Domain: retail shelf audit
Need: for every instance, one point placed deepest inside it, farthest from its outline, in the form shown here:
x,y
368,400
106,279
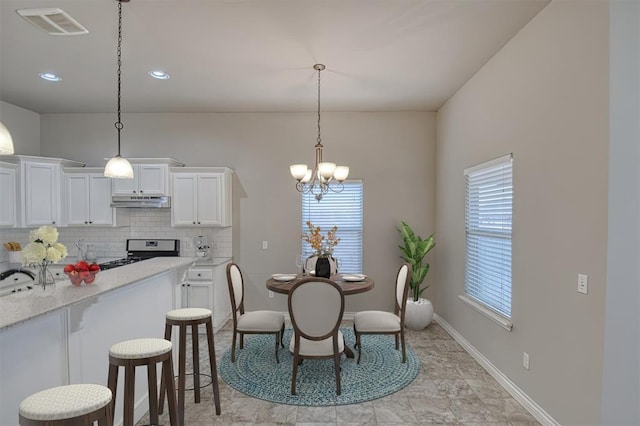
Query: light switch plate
x,y
583,284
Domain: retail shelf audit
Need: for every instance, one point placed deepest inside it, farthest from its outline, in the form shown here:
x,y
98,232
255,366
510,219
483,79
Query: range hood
x,y
141,201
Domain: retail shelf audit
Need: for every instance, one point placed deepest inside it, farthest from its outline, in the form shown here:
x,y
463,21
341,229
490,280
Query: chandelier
x,y
324,177
118,166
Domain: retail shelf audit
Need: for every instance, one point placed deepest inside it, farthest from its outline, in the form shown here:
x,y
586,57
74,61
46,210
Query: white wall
x,y
392,152
24,126
543,97
621,370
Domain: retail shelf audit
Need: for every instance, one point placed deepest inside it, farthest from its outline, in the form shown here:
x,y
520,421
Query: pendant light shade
x,y
6,142
119,167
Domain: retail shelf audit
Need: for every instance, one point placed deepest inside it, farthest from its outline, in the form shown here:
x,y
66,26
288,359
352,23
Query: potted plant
x,y
419,311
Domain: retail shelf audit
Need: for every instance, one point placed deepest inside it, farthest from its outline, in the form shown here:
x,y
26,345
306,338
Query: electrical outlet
x,y
583,284
265,245
270,294
525,360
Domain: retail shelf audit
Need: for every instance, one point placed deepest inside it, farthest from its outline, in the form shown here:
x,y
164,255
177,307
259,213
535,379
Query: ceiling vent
x,y
53,21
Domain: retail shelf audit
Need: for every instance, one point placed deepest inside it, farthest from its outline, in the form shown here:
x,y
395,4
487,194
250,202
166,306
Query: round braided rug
x,y
257,374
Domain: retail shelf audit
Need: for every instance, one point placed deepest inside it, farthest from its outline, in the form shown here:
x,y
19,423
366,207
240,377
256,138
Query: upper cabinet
x,y
39,190
201,196
87,197
8,210
150,177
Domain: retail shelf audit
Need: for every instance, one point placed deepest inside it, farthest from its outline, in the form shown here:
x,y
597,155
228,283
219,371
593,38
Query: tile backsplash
x,y
110,242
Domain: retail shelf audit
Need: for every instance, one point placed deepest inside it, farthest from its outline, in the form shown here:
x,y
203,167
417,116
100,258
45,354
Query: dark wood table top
x,y
348,287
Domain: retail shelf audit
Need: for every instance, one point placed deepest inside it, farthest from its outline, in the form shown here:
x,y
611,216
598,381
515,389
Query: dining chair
x,y
254,322
382,322
316,306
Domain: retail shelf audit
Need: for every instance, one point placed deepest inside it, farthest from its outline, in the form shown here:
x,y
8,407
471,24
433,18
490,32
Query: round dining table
x,y
348,288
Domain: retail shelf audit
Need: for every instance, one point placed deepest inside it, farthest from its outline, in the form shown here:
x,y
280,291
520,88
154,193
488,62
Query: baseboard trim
x,y
529,404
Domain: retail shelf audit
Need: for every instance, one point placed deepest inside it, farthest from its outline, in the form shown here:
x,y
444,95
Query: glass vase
x,y
44,283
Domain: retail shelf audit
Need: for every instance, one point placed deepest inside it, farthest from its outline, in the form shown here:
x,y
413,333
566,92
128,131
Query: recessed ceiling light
x,y
49,76
160,75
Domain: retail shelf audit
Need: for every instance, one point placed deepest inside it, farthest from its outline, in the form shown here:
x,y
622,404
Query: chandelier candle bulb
x,y
341,173
298,171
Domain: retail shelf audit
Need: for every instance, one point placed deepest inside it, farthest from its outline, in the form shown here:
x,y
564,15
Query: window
x,y
344,210
488,217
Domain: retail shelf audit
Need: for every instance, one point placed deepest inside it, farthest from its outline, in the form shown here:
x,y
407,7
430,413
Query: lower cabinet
x,y
206,287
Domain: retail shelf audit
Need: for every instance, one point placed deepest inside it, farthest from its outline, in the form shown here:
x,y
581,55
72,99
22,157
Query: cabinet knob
x,y
134,191
54,222
85,222
198,222
194,222
141,191
90,221
199,275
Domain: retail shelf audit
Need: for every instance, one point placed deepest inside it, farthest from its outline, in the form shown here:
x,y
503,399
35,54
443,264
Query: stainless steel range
x,y
139,249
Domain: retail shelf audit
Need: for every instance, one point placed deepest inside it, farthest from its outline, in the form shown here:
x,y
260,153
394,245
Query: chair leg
x,y
112,384
152,381
129,389
282,336
167,336
359,345
397,347
336,357
233,347
296,360
195,359
214,368
356,333
404,350
167,373
277,344
241,340
182,373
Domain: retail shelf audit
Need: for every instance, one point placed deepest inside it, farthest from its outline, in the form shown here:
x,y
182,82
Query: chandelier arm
x,y
337,188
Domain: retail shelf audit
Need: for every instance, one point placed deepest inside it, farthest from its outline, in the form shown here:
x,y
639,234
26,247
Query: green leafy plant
x,y
413,252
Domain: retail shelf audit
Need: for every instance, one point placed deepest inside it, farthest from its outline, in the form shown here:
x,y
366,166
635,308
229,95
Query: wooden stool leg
x,y
167,372
182,361
167,336
195,357
152,380
112,384
107,419
214,368
129,391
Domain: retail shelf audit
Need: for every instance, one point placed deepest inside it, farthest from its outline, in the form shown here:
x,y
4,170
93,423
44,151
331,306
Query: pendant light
x,y
319,180
6,142
118,166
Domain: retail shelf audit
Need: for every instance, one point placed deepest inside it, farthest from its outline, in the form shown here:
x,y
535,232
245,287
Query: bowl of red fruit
x,y
82,271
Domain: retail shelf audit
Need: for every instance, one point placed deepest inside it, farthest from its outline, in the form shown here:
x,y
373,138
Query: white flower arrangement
x,y
43,247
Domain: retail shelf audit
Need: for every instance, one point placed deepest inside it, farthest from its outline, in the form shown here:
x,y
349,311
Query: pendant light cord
x,y
119,124
319,140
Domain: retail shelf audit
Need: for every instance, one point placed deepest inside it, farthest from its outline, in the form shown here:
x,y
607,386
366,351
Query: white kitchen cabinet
x,y
8,212
87,199
197,290
206,287
201,197
150,177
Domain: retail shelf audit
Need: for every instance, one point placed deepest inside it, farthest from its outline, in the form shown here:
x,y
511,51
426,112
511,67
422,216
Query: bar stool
x,y
131,354
71,404
184,318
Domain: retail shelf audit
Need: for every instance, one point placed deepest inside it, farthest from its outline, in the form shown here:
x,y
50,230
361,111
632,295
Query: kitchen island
x,y
65,338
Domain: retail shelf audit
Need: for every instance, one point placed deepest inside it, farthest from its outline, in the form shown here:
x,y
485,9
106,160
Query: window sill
x,y
493,316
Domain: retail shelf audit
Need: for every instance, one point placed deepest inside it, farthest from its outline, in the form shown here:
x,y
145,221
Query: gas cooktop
x,y
141,249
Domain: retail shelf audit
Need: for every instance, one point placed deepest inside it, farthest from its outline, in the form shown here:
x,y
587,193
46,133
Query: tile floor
x,y
451,389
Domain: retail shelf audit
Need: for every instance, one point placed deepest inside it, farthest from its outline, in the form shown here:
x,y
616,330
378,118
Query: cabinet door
x,y
151,179
126,186
209,199
42,191
183,205
77,199
100,211
200,294
8,191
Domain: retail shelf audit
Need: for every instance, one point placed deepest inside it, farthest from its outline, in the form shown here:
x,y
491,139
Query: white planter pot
x,y
418,314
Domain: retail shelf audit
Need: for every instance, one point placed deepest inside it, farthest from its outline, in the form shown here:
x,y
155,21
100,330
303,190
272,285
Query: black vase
x,y
323,267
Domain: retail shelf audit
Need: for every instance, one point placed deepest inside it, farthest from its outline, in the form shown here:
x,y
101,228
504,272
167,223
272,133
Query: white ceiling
x,y
255,55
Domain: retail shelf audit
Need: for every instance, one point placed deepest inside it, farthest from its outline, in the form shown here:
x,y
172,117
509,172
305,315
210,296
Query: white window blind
x,y
344,210
488,216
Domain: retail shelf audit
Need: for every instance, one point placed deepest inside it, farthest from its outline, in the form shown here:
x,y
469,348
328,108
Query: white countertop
x,y
16,308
